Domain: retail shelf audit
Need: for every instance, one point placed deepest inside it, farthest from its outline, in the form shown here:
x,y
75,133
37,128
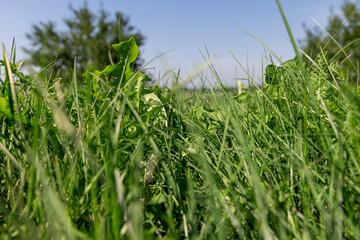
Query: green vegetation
x,y
87,36
339,38
109,157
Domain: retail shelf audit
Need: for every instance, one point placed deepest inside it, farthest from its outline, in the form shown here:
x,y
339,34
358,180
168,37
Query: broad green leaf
x,y
273,74
157,199
116,71
90,72
270,73
155,102
127,49
113,70
5,110
5,107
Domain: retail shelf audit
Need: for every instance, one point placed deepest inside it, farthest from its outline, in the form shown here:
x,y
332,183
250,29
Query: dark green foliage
x,y
88,37
340,39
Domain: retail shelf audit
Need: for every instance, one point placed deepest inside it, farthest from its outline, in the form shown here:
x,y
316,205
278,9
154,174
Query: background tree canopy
x,y
88,37
340,41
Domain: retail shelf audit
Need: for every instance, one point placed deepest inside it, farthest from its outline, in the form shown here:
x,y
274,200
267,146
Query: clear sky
x,y
186,27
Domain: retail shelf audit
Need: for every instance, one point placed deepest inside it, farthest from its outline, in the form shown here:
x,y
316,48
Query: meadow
x,y
109,156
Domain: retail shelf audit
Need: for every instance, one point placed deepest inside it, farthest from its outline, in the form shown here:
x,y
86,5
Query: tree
x,y
343,44
88,37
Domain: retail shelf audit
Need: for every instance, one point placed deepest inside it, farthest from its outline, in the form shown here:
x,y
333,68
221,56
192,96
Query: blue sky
x,y
186,27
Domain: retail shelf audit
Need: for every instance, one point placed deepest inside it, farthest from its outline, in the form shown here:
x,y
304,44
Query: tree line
x,y
88,37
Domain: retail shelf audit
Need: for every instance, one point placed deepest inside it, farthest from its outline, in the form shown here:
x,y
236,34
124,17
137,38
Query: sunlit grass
x,y
110,157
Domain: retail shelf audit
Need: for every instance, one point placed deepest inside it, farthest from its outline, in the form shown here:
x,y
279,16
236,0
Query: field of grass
x,y
107,156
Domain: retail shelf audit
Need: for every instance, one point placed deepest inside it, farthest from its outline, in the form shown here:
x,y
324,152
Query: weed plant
x,y
111,157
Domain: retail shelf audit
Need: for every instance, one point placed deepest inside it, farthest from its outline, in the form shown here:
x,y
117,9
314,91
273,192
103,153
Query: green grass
x,y
107,156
